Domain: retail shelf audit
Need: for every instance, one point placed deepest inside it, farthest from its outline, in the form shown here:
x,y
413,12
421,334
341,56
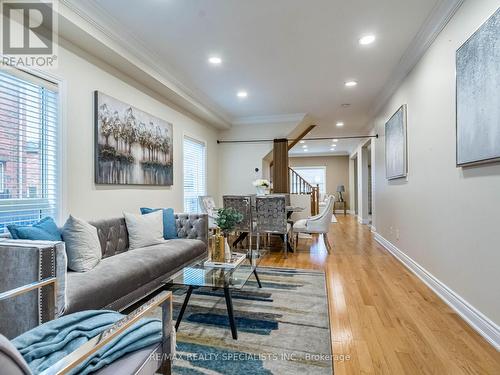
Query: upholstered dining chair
x,y
319,224
207,206
286,195
242,204
152,359
271,218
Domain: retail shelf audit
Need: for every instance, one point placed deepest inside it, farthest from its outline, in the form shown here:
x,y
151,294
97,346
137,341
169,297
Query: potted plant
x,y
227,219
262,185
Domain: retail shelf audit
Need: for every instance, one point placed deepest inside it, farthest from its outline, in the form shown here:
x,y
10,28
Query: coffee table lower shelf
x,y
229,305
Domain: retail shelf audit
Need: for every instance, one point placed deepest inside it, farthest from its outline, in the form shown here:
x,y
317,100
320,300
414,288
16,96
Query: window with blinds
x,y
29,185
195,162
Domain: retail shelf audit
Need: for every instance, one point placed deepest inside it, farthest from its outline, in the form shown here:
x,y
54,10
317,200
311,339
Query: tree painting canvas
x,y
132,147
478,95
396,164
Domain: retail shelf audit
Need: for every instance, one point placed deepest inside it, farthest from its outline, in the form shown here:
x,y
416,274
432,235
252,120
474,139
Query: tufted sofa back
x,y
113,234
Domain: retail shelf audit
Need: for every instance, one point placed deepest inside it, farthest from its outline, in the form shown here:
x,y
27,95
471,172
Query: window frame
x,y
194,138
2,176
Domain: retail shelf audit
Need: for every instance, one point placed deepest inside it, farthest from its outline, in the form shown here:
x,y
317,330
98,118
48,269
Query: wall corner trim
x,y
477,320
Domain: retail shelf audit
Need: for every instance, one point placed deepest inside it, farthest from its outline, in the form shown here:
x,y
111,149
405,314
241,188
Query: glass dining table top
x,y
200,275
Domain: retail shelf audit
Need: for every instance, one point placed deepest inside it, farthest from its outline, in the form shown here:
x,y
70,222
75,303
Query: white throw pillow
x,y
82,244
144,230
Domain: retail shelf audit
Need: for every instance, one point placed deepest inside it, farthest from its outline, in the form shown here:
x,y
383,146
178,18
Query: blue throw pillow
x,y
169,228
45,230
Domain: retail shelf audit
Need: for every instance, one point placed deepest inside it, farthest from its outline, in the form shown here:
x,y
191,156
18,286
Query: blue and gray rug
x,y
283,328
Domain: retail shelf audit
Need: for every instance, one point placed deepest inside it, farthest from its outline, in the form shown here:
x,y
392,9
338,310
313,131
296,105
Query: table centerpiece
x,y
262,185
227,219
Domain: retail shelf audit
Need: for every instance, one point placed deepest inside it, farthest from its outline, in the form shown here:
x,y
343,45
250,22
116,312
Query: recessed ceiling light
x,y
340,124
215,60
305,150
332,149
335,140
302,142
350,83
304,146
367,39
242,94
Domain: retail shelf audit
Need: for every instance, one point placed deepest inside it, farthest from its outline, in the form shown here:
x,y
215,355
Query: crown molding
x,y
99,22
439,17
271,119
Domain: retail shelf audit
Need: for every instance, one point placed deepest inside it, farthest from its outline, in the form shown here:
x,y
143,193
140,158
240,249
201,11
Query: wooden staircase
x,y
300,186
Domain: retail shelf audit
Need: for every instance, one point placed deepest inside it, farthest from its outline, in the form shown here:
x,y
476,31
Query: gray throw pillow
x,y
82,245
144,230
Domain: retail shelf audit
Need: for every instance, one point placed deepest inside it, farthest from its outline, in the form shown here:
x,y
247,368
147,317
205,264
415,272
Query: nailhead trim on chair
x,y
46,269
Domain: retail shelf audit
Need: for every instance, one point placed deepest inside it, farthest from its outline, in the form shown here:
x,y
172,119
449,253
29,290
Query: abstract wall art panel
x,y
478,95
132,147
396,163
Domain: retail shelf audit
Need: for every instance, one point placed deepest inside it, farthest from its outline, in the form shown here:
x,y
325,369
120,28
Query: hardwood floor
x,y
383,319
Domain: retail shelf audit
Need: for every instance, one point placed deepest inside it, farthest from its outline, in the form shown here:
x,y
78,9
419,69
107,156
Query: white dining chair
x,y
207,206
319,224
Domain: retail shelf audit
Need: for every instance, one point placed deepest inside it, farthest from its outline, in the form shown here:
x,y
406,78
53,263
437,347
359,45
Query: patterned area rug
x,y
283,328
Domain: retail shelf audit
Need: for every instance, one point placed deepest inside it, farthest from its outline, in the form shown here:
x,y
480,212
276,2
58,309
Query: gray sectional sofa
x,y
120,279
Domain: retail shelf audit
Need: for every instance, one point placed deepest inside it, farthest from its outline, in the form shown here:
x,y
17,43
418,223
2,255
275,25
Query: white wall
x,y
443,217
239,160
81,74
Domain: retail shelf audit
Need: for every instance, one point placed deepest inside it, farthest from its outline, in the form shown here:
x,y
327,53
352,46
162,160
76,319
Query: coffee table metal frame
x,y
197,275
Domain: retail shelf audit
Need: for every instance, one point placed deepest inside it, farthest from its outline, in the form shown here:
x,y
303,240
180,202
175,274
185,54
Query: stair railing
x,y
298,185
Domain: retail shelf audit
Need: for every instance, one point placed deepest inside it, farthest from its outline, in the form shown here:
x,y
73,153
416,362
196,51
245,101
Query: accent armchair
x,y
319,224
149,360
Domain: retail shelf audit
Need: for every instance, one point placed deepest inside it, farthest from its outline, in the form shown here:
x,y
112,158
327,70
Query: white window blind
x,y
313,175
195,161
29,175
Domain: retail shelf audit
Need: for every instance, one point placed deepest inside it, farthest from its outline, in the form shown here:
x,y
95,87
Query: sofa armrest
x,y
164,299
193,226
25,262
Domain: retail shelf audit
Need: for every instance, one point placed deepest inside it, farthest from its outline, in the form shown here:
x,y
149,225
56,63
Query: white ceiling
x,y
315,148
292,56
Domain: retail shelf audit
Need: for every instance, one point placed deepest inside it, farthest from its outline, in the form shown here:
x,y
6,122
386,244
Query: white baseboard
x,y
349,212
477,320
363,221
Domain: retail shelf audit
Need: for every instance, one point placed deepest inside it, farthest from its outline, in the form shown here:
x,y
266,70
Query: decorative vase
x,y
261,190
227,251
218,247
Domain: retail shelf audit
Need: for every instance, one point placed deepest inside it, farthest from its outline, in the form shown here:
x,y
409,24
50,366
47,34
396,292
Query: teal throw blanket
x,y
46,344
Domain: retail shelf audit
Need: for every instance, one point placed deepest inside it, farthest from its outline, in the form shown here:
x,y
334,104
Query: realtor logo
x,y
28,30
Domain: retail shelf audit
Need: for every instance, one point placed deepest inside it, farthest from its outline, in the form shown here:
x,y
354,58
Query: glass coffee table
x,y
197,275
